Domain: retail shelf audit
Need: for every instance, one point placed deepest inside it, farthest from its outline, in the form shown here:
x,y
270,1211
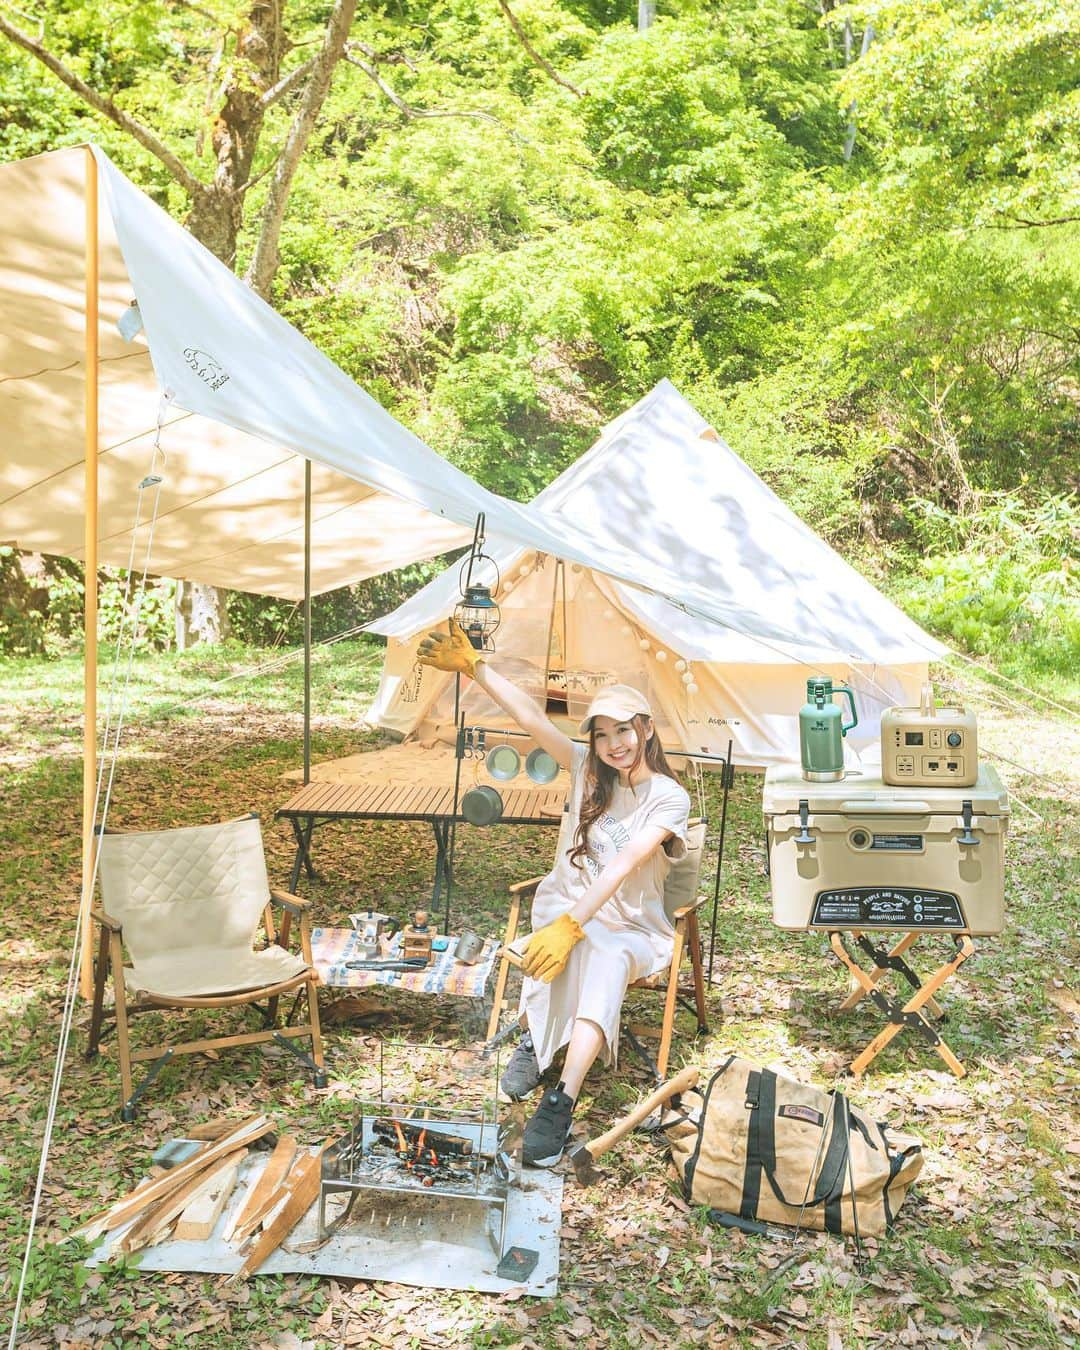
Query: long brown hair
x,y
600,780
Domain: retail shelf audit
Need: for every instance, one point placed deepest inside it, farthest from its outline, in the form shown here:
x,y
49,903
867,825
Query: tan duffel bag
x,y
759,1146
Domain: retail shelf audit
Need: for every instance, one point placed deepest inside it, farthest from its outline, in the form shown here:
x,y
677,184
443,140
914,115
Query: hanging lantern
x,y
644,644
680,665
691,688
477,612
479,615
661,656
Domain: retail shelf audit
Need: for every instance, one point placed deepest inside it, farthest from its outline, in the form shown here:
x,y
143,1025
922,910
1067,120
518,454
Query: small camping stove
x,y
408,1167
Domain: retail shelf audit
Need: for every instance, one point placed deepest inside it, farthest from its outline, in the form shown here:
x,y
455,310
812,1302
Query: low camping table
x,y
321,802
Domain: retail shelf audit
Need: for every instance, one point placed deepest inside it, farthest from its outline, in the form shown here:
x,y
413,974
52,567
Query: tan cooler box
x,y
858,854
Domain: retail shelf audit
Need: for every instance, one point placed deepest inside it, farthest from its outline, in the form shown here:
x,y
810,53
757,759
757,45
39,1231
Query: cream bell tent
x,y
662,483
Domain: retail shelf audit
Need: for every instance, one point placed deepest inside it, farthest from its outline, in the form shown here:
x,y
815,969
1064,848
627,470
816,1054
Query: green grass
x,y
996,1201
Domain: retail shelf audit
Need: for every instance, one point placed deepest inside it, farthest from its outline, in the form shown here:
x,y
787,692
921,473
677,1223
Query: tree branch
x,y
533,54
406,109
287,82
265,261
1020,223
106,107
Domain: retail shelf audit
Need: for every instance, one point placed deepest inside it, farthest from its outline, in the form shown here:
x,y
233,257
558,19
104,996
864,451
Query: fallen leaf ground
x,y
985,1251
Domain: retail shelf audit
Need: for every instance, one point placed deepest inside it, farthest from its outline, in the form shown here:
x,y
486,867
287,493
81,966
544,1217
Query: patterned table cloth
x,y
331,948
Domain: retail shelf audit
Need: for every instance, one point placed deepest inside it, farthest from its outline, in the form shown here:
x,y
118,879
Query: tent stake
x,y
90,426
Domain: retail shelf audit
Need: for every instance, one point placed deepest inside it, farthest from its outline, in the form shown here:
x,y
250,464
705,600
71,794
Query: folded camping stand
x,y
910,1014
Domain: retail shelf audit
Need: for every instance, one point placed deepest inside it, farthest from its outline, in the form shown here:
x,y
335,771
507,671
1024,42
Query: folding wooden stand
x,y
911,1014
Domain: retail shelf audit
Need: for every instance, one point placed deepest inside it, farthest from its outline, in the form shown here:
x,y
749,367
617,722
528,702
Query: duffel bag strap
x,y
751,1189
830,1181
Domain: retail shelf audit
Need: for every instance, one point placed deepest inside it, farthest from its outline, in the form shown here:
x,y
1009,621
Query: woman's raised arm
x,y
452,651
525,713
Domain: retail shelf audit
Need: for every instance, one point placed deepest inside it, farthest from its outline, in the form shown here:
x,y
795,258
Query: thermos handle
x,y
845,727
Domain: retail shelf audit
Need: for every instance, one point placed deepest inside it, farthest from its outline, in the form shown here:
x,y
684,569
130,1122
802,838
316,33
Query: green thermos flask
x,y
822,730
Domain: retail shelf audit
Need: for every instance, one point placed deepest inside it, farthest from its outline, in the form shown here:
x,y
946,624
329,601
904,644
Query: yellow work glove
x,y
453,651
549,948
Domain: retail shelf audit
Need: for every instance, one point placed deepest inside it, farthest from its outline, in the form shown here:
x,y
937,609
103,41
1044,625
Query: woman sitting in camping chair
x,y
598,916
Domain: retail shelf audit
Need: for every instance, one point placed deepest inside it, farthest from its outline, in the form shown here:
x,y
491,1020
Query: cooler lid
x,y
785,788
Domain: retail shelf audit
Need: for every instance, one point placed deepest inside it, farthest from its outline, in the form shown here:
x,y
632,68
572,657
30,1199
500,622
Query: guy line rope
x,y
109,754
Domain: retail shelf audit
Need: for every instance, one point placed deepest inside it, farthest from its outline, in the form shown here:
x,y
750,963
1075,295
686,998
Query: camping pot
x,y
503,763
541,767
822,729
370,927
469,947
482,805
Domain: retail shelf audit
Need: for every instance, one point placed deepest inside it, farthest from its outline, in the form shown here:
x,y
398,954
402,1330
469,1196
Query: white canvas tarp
x,y
661,481
247,397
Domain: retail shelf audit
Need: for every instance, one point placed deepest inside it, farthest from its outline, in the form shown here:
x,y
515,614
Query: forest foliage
x,y
850,235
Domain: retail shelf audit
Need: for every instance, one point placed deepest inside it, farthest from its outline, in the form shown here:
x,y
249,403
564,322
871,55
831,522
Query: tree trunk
x,y
200,615
215,220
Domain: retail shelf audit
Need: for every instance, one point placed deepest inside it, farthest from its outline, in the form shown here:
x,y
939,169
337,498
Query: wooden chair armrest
x,y
692,908
526,887
295,904
106,920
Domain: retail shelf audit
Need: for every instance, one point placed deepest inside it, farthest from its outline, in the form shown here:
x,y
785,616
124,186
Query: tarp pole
x,y
307,621
90,425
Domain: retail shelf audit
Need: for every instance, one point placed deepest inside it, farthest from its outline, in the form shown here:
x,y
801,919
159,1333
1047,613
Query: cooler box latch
x,y
967,837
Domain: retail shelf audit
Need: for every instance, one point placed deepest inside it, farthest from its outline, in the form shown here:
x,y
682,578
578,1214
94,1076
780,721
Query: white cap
x,y
619,702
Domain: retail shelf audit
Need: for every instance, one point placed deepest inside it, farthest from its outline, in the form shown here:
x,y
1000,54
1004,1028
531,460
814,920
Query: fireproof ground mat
x,y
406,1243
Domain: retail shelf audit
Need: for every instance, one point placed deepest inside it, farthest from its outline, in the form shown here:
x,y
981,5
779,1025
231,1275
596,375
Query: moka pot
x,y
822,730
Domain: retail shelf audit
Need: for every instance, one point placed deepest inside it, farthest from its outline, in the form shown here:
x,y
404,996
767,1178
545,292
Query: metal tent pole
x,y
307,621
90,431
459,741
727,779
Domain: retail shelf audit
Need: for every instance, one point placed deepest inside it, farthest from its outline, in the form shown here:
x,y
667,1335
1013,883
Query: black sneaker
x,y
522,1073
548,1130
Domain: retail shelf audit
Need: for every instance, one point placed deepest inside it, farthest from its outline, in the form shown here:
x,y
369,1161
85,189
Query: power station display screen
x,y
906,907
913,738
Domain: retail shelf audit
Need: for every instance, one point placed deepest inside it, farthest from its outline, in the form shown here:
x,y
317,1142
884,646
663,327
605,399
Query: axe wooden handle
x,y
687,1078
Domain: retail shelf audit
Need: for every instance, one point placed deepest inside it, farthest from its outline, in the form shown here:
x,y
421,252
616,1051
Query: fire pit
x,y
396,1155
408,1166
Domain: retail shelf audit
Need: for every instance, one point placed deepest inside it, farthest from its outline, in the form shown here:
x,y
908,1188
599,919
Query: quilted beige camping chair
x,y
185,904
682,902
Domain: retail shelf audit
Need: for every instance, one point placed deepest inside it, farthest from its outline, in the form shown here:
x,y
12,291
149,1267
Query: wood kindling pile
x,y
298,1192
162,1190
188,1200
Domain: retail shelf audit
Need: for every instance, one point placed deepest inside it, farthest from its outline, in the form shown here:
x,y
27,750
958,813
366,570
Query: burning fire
x,y
410,1157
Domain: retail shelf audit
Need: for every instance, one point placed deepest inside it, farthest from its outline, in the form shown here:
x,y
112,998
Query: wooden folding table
x,y
322,802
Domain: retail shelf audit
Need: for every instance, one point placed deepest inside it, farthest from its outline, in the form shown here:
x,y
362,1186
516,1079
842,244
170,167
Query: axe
x,y
584,1155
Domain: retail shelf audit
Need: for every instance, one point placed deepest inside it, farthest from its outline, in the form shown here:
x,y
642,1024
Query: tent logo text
x,y
209,370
